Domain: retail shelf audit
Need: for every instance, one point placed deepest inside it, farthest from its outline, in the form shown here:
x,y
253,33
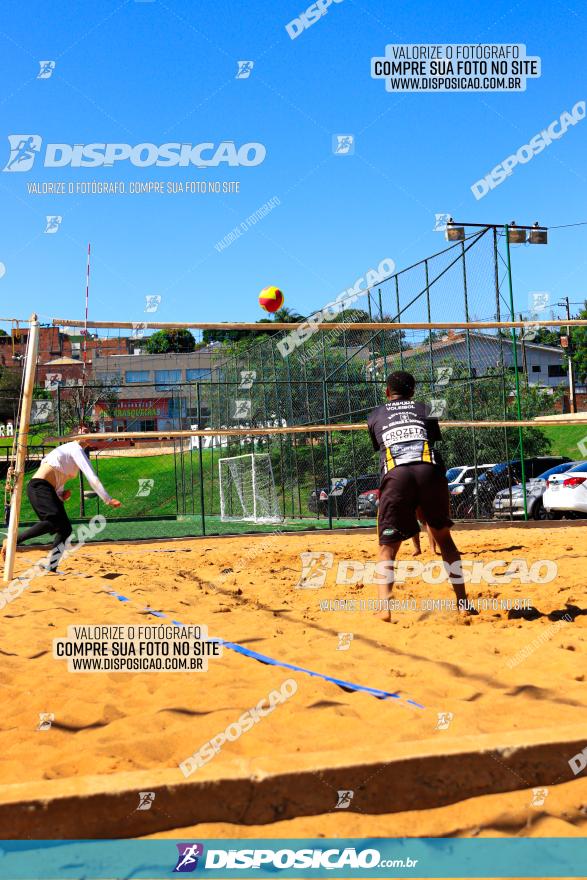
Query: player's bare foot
x,y
467,609
383,615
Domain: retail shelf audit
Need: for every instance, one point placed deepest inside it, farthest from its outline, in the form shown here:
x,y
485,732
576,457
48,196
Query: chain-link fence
x,y
310,376
320,480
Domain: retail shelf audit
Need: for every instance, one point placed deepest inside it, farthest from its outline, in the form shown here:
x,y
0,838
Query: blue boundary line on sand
x,y
270,661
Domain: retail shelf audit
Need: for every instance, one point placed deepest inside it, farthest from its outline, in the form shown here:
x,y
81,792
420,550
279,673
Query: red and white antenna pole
x,y
86,315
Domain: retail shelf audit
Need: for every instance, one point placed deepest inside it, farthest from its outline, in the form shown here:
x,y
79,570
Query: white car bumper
x,y
573,498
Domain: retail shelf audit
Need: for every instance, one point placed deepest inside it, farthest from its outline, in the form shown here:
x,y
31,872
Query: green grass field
x,y
173,508
122,475
37,436
176,490
565,439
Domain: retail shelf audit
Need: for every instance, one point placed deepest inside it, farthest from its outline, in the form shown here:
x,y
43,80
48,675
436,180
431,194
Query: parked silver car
x,y
506,508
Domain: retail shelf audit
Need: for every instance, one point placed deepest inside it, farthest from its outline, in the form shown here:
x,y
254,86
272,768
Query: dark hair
x,y
402,383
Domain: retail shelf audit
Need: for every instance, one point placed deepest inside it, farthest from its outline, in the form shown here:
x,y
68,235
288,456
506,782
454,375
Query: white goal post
x,y
247,489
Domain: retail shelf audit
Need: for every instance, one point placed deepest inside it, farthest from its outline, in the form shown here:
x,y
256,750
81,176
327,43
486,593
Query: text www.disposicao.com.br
x,y
135,664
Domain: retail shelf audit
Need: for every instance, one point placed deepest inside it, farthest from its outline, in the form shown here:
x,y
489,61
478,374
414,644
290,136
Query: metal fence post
x,y
501,359
429,319
399,317
58,402
327,453
200,459
516,371
470,369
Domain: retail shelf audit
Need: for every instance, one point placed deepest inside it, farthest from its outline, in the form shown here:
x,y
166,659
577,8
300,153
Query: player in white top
x,y
46,492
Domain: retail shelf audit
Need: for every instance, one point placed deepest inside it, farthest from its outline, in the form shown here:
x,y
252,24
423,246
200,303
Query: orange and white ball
x,y
271,299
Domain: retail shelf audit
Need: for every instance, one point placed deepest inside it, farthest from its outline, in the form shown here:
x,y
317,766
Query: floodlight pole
x,y
22,433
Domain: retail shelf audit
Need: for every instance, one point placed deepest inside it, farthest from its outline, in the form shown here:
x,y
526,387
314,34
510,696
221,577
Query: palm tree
x,y
284,315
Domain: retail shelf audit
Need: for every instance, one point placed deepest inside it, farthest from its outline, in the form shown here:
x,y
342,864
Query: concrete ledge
x,y
461,525
411,776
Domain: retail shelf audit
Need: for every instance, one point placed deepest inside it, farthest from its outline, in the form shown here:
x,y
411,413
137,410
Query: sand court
x,y
461,685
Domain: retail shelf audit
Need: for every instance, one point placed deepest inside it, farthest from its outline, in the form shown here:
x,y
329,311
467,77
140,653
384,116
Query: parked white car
x,y
567,493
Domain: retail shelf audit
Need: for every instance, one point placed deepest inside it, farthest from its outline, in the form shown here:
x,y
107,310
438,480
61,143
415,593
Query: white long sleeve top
x,y
67,461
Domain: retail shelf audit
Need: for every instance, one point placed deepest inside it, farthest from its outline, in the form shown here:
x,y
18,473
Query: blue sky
x,y
155,72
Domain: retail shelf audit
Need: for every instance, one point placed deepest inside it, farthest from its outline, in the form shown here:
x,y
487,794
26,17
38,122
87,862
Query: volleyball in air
x,y
271,299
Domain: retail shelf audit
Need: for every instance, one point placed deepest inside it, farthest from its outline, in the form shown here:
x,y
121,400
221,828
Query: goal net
x,y
247,489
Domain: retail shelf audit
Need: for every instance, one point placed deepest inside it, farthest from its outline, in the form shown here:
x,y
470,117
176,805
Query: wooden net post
x,y
22,433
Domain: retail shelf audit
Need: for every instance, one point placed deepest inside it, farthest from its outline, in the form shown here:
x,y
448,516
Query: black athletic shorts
x,y
403,490
46,502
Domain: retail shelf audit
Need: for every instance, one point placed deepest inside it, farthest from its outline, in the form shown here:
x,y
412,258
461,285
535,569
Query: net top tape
x,y
318,324
574,419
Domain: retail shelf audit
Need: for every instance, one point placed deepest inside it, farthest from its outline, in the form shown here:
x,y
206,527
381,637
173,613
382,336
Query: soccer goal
x,y
247,489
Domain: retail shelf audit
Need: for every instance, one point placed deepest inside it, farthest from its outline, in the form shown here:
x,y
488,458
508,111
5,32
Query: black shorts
x,y
406,488
46,502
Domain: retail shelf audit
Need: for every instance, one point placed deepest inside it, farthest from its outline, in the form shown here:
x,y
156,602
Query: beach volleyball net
x,y
173,399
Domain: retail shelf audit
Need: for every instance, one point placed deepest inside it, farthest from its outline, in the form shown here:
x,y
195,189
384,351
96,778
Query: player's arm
x,y
371,430
88,472
433,430
434,436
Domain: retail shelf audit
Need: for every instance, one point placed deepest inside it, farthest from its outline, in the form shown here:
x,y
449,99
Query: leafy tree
x,y
164,341
545,336
434,336
231,336
109,399
353,453
209,336
10,382
386,343
491,397
284,315
289,390
78,402
40,393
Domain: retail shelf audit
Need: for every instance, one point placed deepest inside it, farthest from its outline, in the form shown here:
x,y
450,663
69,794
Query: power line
x,y
568,225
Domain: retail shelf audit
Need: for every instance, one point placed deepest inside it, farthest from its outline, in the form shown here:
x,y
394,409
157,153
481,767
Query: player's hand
x,y
66,495
114,503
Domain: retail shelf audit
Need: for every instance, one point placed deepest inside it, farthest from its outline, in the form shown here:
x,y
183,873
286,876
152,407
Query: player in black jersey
x,y
412,477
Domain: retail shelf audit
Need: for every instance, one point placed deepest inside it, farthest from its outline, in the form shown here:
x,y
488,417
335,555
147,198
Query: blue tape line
x,y
155,613
271,661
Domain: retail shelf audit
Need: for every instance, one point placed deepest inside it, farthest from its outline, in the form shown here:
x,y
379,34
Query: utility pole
x,y
524,355
569,347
